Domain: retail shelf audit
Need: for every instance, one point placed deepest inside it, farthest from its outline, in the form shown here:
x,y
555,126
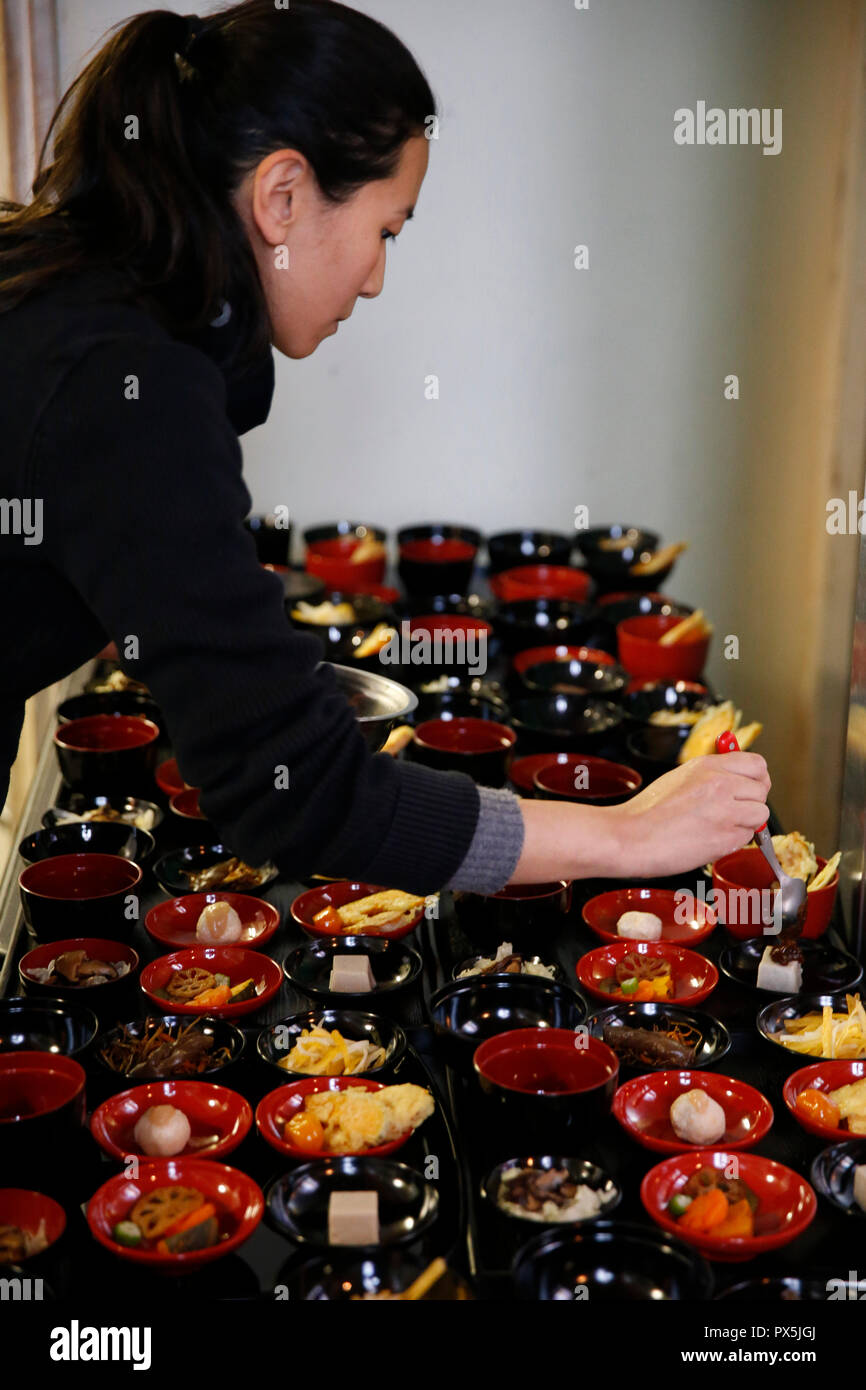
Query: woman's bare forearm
x,y
708,807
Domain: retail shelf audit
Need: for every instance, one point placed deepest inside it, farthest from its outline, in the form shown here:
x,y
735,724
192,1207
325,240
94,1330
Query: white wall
x,y
604,387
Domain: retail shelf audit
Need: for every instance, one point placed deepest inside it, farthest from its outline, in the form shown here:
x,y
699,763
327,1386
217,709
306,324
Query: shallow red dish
x,y
33,1084
438,550
465,734
642,1107
607,782
736,875
172,923
27,1210
602,913
97,948
285,1102
233,961
306,905
534,656
822,1076
238,1200
787,1203
641,653
210,1109
694,977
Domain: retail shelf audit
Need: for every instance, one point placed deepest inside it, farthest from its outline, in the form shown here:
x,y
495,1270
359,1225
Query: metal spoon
x,y
792,891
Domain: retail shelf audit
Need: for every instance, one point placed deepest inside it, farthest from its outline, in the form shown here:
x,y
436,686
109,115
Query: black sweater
x,y
127,436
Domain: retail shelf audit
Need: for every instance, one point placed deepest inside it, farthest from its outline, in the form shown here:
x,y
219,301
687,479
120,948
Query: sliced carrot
x,y
192,1218
706,1212
213,998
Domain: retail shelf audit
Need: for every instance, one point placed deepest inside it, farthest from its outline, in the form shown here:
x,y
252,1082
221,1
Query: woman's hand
x,y
698,812
708,807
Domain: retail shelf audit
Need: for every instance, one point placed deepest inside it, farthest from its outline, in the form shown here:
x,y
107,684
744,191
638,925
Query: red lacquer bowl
x,y
233,961
694,977
541,581
738,879
787,1203
642,1107
285,1102
641,653
239,1202
535,656
822,1076
602,913
27,1210
211,1110
306,905
330,560
593,781
173,923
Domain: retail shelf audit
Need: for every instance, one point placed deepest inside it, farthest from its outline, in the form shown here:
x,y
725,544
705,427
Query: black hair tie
x,y
195,27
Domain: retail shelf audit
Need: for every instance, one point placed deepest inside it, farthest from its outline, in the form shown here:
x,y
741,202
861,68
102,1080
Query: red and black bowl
x,y
642,1106
543,622
624,1027
239,1204
469,1011
393,965
233,961
437,558
113,702
822,1077
547,1077
610,1262
337,639
219,1119
307,906
278,1108
93,893
88,837
646,698
745,899
173,923
31,1212
583,723
521,913
685,920
508,549
542,581
107,752
218,1047
298,1202
643,656
329,552
436,645
582,778
479,747
74,806
277,1041
610,552
99,997
48,1024
575,676
786,1202
694,977
42,1108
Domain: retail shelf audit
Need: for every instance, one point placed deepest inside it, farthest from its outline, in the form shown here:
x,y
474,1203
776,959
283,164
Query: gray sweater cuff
x,y
496,845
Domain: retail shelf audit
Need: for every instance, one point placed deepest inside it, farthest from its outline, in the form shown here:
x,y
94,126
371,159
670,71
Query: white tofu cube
x,y
351,975
353,1218
781,979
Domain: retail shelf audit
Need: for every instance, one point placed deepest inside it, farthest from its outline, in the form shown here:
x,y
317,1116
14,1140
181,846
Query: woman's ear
x,y
281,185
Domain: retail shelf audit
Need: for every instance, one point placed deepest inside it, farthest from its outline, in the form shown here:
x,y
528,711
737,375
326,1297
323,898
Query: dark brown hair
x,y
210,102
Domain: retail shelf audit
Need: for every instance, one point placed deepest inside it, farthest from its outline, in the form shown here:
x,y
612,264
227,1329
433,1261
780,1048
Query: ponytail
x,y
152,139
